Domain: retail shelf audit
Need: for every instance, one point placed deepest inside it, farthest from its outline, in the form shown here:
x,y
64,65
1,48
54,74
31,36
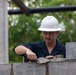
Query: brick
x,y
29,69
62,68
71,50
5,69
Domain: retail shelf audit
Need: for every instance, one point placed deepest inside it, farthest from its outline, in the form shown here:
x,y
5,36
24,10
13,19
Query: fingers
x,y
49,57
31,55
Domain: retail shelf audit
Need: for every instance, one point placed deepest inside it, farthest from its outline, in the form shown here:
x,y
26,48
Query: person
x,y
49,48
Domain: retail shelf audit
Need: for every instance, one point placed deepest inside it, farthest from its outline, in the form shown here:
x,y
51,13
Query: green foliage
x,y
23,29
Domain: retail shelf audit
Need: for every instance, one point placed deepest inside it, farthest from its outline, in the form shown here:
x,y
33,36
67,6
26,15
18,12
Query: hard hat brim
x,y
50,29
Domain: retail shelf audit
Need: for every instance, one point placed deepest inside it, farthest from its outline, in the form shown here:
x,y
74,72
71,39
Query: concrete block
x,y
3,32
5,69
29,69
71,50
62,68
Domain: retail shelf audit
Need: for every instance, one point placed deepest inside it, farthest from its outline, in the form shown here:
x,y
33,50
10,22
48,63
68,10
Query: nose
x,y
48,35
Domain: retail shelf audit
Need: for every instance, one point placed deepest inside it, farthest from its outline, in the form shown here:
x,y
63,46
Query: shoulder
x,y
61,48
60,45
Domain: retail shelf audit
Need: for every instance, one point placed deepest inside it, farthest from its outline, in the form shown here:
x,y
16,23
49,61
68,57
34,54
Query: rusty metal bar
x,y
27,11
23,8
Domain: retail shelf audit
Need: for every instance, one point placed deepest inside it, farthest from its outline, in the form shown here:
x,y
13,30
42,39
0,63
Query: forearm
x,y
20,50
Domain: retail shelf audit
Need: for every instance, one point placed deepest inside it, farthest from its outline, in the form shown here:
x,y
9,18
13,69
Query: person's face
x,y
49,37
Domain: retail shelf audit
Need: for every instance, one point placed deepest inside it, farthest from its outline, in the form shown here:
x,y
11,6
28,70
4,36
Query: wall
x,y
66,67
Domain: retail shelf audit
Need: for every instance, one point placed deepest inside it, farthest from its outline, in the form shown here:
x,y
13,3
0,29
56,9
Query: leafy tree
x,y
23,28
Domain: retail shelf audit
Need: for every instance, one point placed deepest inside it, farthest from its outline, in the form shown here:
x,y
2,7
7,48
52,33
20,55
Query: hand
x,y
49,57
31,55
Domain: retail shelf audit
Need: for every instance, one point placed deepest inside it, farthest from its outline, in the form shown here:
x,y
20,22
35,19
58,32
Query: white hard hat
x,y
49,23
